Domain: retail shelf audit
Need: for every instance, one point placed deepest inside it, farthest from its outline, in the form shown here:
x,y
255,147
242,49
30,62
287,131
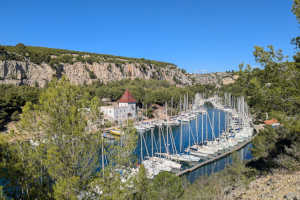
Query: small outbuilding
x,y
123,110
273,122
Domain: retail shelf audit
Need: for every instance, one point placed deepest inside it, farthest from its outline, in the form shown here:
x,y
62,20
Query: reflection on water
x,y
244,154
185,135
204,127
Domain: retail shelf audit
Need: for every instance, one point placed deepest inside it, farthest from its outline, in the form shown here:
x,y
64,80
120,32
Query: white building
x,y
125,109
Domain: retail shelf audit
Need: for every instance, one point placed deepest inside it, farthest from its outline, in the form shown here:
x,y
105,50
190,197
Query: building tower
x,y
127,100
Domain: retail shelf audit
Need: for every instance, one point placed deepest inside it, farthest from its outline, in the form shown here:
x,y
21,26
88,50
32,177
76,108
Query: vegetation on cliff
x,y
65,164
12,99
54,57
32,66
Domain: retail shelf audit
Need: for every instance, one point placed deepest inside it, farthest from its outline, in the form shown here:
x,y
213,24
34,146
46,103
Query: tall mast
x,y
206,126
189,135
213,125
102,151
180,136
152,141
167,150
219,124
159,135
202,128
197,131
141,147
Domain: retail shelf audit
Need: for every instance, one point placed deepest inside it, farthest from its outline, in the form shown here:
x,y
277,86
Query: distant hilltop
x,y
36,66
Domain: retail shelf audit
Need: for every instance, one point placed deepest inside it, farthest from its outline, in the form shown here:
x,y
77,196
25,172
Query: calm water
x,y
244,154
181,137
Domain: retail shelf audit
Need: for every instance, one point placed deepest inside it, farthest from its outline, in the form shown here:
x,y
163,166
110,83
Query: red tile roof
x,y
127,98
271,121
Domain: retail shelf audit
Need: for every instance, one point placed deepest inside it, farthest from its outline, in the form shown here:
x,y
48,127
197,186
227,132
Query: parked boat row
x,y
237,129
154,165
172,121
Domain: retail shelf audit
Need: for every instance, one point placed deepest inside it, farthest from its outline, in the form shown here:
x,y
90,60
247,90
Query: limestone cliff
x,y
36,66
29,73
218,78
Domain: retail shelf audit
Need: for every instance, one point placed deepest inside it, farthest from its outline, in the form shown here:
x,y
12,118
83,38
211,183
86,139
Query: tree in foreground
x,y
63,155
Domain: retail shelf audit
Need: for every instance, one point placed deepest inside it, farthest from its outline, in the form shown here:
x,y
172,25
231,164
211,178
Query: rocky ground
x,y
277,186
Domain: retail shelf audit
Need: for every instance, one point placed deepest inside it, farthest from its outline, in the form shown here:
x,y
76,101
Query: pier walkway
x,y
238,147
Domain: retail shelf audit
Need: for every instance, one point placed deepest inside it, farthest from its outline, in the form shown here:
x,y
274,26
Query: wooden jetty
x,y
238,147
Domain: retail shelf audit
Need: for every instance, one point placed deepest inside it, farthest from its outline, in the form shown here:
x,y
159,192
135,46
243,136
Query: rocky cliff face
x,y
218,78
26,72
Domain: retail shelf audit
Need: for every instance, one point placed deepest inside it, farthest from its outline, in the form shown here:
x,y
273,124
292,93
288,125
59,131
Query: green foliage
x,y
109,67
217,186
66,157
148,92
64,188
275,88
92,75
116,181
144,68
176,80
12,99
167,186
40,55
278,147
143,189
296,9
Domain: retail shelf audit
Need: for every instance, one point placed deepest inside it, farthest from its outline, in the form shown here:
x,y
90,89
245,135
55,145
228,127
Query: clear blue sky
x,y
194,34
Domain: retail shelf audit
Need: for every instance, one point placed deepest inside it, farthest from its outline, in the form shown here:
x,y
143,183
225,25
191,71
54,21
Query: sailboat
x,y
177,156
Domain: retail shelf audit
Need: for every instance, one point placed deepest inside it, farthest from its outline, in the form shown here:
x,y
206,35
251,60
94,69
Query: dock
x,y
238,147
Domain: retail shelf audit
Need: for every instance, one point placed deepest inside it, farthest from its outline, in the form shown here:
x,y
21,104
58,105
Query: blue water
x,y
190,135
218,165
185,135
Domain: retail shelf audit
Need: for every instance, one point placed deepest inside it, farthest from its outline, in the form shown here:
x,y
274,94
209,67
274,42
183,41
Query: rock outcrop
x,y
26,72
218,78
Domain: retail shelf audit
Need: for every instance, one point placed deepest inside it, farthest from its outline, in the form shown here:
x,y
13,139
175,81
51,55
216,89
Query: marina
x,y
198,136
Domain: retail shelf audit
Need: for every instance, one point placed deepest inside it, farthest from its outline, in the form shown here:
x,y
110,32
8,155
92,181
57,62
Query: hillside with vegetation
x,y
36,66
62,159
272,91
148,93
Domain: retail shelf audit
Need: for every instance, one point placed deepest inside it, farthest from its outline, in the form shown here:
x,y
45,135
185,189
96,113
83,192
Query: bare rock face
x,y
28,73
218,78
17,72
